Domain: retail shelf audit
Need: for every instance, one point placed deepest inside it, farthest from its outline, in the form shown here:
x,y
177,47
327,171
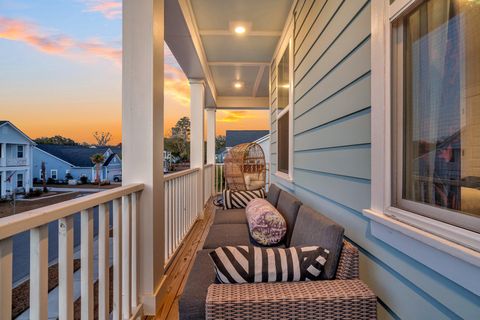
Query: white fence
x,y
182,207
208,181
125,302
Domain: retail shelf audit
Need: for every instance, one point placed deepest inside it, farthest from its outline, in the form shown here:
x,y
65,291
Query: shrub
x,y
50,181
105,183
34,193
68,176
83,180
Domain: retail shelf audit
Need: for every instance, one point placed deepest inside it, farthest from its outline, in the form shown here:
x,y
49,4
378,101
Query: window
x,y
19,152
53,174
20,180
436,112
284,112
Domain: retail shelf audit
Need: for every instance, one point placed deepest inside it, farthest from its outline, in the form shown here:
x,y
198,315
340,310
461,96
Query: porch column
x,y
3,177
211,122
3,159
197,107
142,136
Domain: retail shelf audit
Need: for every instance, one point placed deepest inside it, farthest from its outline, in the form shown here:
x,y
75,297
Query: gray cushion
x,y
230,216
273,194
313,228
202,275
227,235
288,206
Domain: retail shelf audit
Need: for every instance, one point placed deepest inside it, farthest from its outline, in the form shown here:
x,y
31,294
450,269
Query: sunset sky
x,y
60,71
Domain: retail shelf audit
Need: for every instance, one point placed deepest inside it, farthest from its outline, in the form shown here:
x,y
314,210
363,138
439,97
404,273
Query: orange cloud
x,y
235,116
55,43
109,9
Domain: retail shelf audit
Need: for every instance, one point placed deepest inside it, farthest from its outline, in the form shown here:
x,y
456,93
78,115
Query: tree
x,y
220,143
97,159
179,142
59,140
103,138
44,177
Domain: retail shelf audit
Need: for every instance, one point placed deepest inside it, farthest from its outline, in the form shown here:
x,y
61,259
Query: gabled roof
x,y
79,156
3,122
109,159
235,137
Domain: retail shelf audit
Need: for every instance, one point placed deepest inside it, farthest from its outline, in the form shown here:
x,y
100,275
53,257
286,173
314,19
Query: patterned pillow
x,y
267,226
239,199
248,264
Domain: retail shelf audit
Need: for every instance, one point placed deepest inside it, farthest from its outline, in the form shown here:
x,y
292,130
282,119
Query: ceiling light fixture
x,y
238,84
240,30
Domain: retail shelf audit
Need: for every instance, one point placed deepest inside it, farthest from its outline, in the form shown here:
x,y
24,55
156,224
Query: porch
x,y
319,67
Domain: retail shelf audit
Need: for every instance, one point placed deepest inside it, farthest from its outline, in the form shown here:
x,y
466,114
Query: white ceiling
x,y
231,57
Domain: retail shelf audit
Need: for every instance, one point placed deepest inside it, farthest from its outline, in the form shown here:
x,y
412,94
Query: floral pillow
x,y
267,225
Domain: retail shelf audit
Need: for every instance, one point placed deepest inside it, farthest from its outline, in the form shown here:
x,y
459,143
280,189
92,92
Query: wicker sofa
x,y
344,297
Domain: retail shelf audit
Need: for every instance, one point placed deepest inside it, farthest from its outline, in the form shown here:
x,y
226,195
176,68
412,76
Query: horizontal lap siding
x,y
332,156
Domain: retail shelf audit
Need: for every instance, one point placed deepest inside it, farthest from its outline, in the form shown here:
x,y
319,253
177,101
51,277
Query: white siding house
x,y
16,150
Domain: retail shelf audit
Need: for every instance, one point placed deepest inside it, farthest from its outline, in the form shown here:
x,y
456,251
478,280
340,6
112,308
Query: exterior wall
x,y
51,163
332,157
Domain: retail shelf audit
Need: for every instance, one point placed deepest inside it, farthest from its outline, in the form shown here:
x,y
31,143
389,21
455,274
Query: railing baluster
x,y
6,260
39,272
65,267
103,261
126,257
86,251
117,260
134,289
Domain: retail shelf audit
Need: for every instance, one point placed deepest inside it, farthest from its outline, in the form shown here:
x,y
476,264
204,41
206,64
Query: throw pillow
x,y
248,264
267,226
239,199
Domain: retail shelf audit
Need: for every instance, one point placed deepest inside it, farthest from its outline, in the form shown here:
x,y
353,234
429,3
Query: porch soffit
x,y
199,34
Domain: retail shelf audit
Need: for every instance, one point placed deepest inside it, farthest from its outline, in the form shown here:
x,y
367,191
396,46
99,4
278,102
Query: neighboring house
x,y
61,160
236,137
15,159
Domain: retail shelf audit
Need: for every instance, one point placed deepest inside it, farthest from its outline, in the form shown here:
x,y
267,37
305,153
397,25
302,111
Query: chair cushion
x,y
273,194
202,275
288,206
231,216
239,199
266,225
314,229
221,235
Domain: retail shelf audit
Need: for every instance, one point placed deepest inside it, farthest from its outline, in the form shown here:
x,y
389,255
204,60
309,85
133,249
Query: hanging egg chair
x,y
245,167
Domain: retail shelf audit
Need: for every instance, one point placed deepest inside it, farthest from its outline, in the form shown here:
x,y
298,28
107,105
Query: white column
x,y
197,107
3,159
211,128
142,135
3,177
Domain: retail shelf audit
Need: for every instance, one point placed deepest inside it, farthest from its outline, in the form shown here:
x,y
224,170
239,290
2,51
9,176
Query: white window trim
x,y
23,179
446,237
23,151
287,43
56,173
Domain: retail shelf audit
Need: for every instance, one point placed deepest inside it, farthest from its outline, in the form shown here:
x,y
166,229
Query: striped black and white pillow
x,y
248,264
240,199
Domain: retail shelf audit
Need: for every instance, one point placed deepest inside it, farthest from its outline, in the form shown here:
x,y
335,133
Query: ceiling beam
x,y
248,34
244,103
260,72
238,63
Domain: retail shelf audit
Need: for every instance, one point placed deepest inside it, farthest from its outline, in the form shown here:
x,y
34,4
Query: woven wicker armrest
x,y
336,299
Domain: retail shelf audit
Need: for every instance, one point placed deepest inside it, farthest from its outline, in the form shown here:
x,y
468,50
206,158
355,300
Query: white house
x,y
15,159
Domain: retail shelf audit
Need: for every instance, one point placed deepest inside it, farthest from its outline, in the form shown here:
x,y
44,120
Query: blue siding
x,y
51,163
332,157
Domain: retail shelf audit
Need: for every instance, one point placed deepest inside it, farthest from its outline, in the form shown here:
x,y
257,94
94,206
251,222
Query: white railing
x,y
183,194
16,162
125,302
219,178
208,182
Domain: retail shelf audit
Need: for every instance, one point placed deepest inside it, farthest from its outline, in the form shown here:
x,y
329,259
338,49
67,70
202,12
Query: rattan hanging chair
x,y
245,167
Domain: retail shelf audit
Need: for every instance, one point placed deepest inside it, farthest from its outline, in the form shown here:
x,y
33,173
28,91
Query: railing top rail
x,y
24,221
182,173
208,165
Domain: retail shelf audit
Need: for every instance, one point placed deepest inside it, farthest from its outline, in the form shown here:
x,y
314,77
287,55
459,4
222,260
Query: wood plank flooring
x,y
179,269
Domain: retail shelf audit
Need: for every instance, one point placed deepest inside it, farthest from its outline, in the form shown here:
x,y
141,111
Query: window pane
x,y
441,98
283,135
283,80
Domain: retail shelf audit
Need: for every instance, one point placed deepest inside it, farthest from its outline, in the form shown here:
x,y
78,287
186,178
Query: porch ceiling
x,y
227,58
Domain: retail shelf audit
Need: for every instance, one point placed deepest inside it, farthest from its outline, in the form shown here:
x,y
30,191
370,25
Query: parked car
x,y
117,178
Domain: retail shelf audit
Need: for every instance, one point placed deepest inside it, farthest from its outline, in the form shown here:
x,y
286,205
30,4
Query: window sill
x,y
283,176
452,260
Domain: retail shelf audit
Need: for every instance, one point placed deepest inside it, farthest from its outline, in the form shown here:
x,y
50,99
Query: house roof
x,y
110,158
2,122
235,137
79,156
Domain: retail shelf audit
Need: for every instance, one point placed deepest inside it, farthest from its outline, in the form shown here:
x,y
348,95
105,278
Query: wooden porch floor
x,y
179,269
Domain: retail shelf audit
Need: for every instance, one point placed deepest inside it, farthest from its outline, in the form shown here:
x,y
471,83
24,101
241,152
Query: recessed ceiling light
x,y
240,29
238,84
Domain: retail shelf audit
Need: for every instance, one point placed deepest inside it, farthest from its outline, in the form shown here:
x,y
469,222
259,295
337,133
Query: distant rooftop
x,y
77,155
235,137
